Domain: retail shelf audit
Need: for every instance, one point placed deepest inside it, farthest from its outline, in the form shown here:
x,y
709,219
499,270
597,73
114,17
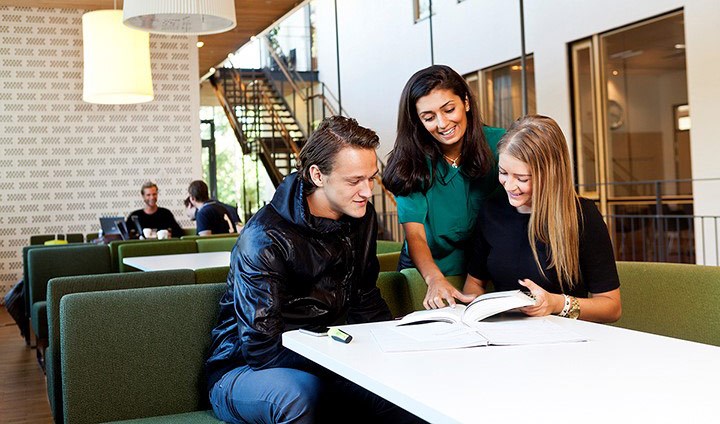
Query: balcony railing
x,y
655,221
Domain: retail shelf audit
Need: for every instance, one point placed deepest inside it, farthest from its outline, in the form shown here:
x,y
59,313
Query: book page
x,y
446,314
494,303
525,331
431,336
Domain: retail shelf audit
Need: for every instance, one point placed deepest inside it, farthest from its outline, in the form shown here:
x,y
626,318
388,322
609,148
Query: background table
x,y
617,376
182,261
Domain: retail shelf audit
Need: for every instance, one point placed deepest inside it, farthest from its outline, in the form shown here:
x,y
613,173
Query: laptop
x,y
113,226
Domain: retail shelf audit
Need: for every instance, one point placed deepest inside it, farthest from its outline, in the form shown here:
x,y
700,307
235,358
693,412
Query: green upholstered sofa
x,y
215,244
46,263
165,247
26,279
394,289
675,300
212,275
138,353
388,254
388,261
388,246
61,286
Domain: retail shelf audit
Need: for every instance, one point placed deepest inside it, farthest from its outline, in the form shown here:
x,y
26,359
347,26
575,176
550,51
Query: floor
x,y
23,394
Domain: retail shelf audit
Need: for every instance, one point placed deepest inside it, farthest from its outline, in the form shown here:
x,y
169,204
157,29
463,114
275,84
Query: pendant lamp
x,y
116,67
191,17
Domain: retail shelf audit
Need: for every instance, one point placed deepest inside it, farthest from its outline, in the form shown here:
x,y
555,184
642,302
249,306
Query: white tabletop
x,y
182,261
617,376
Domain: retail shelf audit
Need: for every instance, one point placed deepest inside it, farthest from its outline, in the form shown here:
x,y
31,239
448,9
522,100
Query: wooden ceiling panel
x,y
253,17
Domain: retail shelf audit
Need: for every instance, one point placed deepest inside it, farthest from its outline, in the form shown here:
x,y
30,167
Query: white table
x,y
617,376
181,261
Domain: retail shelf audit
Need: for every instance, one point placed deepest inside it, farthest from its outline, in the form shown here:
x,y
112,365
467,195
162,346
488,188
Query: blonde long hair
x,y
554,218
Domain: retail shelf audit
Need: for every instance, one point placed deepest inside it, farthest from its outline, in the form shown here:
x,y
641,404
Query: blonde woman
x,y
539,235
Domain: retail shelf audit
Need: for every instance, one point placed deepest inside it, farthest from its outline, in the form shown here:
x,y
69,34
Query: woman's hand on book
x,y
440,291
545,303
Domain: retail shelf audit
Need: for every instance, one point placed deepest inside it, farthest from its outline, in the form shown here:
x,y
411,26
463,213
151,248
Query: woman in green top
x,y
440,170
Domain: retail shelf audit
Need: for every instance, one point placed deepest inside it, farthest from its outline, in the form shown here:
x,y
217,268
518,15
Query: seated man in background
x,y
191,211
152,216
306,259
211,217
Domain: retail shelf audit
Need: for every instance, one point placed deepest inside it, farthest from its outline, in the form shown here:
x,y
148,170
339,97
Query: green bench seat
x,y
46,263
675,300
61,286
139,353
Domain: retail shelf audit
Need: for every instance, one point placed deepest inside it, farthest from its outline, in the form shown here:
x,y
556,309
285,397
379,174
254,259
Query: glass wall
x,y
631,136
645,80
499,92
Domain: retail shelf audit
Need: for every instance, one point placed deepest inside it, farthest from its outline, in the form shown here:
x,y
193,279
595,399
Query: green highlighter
x,y
339,335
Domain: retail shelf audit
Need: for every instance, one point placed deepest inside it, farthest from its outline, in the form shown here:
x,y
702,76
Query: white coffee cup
x,y
147,232
163,234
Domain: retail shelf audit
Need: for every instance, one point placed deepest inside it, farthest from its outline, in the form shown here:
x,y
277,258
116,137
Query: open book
x,y
482,307
461,326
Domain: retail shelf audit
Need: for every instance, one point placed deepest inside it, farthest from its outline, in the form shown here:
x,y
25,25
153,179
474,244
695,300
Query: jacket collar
x,y
291,203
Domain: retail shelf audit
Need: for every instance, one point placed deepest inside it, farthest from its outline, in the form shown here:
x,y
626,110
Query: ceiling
x,y
253,17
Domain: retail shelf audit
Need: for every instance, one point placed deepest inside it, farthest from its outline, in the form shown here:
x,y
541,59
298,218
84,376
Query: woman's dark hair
x,y
332,135
406,171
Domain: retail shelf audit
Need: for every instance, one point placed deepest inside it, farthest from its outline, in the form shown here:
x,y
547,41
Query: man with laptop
x,y
152,216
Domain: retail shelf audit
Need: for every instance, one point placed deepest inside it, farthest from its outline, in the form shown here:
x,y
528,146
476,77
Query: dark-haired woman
x,y
440,170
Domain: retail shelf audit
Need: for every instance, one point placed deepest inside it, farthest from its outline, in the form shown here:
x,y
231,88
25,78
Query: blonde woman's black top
x,y
501,251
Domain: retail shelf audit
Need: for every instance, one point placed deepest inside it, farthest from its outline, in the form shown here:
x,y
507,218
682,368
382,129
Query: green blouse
x,y
449,208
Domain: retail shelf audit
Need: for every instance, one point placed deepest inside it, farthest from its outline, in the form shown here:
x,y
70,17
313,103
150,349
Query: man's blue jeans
x,y
286,395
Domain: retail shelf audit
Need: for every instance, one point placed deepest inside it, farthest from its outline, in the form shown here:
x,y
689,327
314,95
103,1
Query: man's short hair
x,y
333,134
199,191
147,184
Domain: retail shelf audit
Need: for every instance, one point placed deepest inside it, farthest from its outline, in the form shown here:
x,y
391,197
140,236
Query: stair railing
x,y
388,206
275,119
252,98
230,112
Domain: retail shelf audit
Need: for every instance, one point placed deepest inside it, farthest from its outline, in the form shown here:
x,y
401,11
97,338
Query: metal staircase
x,y
273,111
260,119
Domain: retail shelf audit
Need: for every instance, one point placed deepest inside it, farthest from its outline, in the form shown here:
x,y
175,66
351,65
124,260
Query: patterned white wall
x,y
63,162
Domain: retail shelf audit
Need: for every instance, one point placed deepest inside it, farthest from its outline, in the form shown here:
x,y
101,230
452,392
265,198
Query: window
x,y
499,92
632,140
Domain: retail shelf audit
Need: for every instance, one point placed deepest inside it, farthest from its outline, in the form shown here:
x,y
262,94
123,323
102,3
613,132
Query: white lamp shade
x,y
116,66
192,17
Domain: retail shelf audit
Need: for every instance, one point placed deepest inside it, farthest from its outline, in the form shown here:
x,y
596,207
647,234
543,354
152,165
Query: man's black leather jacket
x,y
288,270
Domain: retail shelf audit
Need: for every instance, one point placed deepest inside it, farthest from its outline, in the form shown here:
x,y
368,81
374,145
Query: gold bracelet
x,y
574,311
